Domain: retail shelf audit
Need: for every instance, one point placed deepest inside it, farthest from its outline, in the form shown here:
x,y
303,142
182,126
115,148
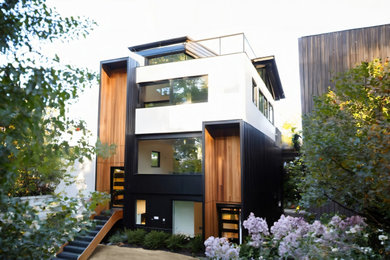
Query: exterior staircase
x,y
83,246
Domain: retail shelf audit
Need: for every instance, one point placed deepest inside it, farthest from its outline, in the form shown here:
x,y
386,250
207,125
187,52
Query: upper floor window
x,y
169,58
174,92
262,103
255,94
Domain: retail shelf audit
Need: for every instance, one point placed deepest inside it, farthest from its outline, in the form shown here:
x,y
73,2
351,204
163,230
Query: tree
x,y
347,144
38,141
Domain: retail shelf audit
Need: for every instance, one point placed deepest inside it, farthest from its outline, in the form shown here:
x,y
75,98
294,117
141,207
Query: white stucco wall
x,y
252,113
229,96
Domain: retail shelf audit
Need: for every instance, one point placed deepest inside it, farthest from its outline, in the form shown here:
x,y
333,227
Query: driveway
x,y
103,252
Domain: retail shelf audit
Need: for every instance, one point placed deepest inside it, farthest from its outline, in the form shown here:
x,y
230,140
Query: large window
x,y
169,58
174,92
176,156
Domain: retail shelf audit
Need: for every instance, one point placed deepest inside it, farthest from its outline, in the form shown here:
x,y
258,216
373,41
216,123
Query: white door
x,y
183,217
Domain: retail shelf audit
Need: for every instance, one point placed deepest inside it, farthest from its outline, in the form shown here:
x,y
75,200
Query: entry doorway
x,y
229,222
187,218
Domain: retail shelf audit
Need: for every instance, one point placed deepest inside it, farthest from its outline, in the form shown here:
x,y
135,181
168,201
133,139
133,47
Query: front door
x,y
229,222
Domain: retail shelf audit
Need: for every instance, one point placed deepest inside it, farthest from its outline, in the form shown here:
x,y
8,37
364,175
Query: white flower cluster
x,y
221,249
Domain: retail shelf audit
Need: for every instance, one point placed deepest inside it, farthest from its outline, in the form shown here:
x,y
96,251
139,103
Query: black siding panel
x,y
262,175
130,140
167,184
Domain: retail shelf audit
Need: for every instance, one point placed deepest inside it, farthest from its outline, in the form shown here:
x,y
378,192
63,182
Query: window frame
x,y
141,94
158,159
166,136
146,212
147,62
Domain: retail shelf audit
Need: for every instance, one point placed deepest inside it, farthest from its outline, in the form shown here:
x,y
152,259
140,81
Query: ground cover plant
x,y
178,243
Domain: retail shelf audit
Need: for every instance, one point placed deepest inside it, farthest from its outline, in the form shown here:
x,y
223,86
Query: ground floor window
x,y
187,218
140,218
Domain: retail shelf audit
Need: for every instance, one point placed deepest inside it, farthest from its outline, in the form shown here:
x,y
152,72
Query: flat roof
x,y
157,44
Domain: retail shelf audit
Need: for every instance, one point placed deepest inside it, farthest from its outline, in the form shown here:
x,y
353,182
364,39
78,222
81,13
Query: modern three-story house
x,y
197,149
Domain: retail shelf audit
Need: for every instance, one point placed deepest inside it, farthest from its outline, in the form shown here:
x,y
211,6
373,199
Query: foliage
x,y
186,155
176,242
105,150
38,141
155,239
135,237
25,235
196,244
347,144
118,237
294,238
295,172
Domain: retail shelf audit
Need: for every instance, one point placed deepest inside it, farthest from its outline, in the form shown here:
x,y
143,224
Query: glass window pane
x,y
189,90
255,93
156,94
169,58
177,155
155,159
175,92
140,218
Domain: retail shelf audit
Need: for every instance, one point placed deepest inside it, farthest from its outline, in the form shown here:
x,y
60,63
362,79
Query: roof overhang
x,y
171,46
152,45
274,83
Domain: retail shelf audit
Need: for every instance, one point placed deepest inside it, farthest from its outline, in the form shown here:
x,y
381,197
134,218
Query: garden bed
x,y
158,240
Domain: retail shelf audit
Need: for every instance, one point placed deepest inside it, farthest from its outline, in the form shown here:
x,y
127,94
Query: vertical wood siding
x,y
222,173
112,120
324,56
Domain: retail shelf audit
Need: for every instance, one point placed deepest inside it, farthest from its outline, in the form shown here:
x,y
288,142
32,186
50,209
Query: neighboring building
x,y
324,56
194,127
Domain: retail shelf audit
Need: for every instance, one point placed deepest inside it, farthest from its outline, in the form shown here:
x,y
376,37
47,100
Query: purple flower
x,y
220,248
256,228
285,225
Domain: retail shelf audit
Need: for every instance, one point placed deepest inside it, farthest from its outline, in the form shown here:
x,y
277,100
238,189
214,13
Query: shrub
x,y
135,237
118,237
220,248
155,239
196,244
294,238
176,242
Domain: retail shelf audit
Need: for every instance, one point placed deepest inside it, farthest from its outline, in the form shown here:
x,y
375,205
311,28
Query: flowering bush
x,y
256,227
220,248
294,238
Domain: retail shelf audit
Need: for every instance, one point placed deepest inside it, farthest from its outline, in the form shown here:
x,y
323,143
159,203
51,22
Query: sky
x,y
271,27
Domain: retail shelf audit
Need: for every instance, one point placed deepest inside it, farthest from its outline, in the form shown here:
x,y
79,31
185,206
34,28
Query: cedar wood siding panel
x,y
324,56
262,175
222,172
112,118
